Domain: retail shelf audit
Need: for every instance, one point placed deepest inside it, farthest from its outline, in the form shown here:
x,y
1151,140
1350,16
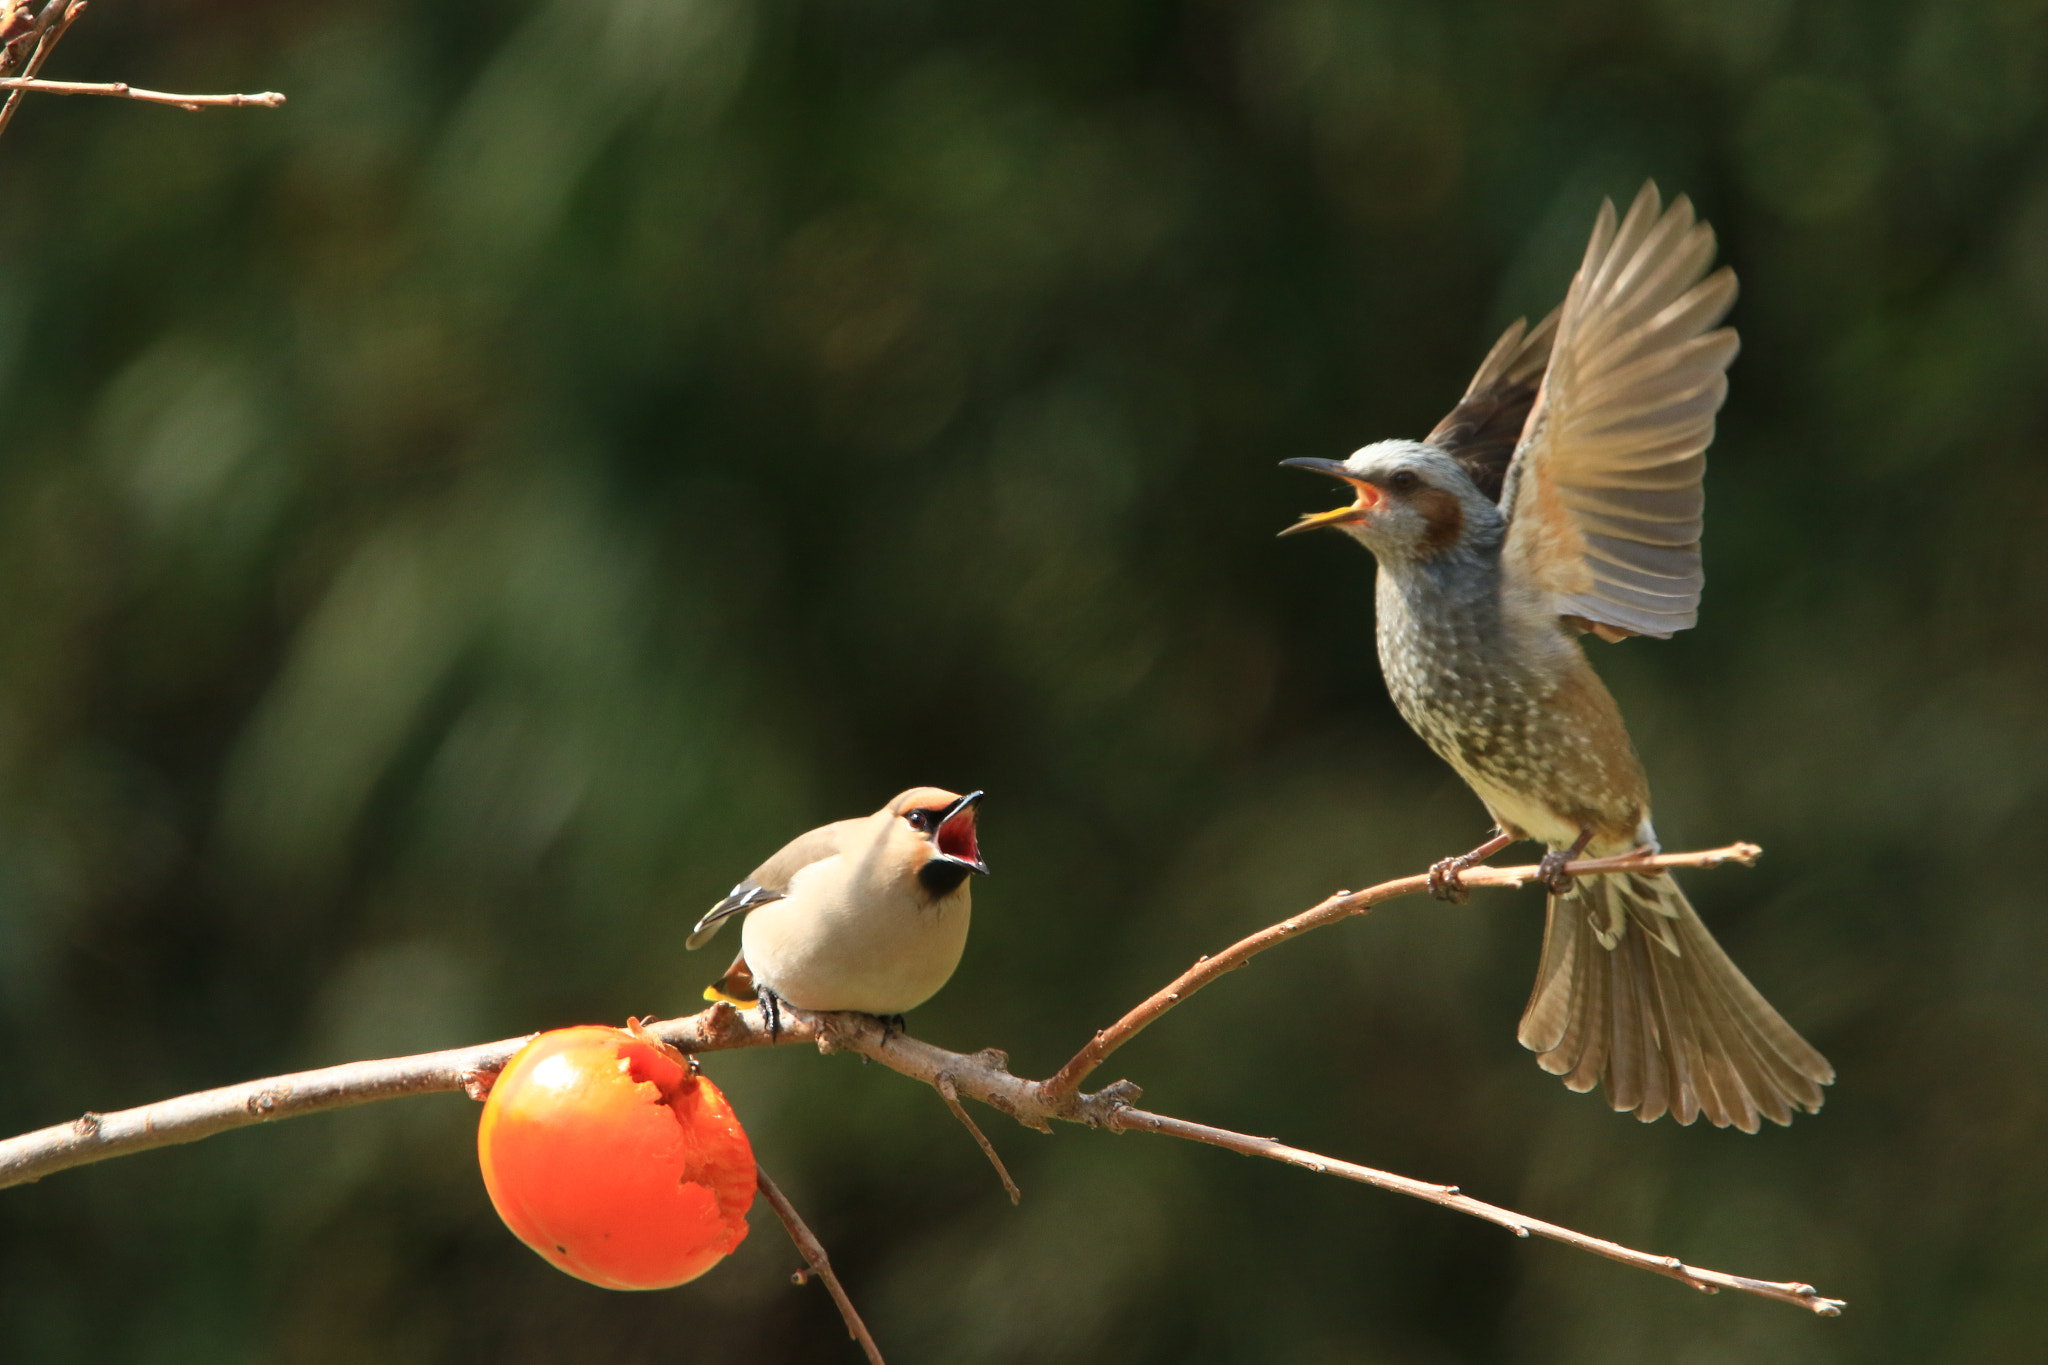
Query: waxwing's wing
x,y
1481,433
770,881
1603,497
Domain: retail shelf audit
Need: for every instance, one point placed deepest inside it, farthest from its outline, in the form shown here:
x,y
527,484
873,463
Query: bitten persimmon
x,y
606,1154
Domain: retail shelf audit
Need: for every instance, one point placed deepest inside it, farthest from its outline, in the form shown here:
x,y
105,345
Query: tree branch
x,y
49,29
32,41
1341,906
982,1076
813,1252
1706,1281
97,1137
951,1095
268,99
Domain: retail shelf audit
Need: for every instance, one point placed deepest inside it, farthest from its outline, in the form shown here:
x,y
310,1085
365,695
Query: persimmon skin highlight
x,y
603,1153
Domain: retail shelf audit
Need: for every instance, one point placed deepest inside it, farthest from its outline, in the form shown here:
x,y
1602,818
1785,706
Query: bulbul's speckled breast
x,y
1532,730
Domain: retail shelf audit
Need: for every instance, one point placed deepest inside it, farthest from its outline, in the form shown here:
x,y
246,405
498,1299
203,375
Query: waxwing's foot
x,y
892,1027
1444,882
771,1010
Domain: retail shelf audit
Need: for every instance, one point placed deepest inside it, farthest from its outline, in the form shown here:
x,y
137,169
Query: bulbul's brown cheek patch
x,y
1445,516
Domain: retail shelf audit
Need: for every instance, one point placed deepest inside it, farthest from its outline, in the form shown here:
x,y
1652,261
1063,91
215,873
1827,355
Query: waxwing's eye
x,y
919,821
1404,481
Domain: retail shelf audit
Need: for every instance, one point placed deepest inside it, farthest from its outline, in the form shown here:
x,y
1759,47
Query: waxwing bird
x,y
1560,497
868,914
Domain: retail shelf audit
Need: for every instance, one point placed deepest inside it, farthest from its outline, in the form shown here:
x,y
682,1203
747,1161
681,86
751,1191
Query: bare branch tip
x,y
813,1251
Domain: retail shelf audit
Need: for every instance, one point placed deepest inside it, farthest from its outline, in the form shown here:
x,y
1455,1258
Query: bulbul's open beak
x,y
955,834
1369,496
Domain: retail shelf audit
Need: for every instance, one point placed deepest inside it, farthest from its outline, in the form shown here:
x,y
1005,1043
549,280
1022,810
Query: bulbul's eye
x,y
919,820
1403,480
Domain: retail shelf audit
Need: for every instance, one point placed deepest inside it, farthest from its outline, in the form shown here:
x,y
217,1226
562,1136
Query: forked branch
x,y
982,1076
26,42
1341,906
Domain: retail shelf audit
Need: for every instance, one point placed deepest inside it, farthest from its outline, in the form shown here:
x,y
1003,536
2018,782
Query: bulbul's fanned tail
x,y
1634,991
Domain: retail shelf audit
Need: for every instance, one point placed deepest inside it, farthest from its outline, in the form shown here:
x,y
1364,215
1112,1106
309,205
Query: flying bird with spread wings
x,y
1561,497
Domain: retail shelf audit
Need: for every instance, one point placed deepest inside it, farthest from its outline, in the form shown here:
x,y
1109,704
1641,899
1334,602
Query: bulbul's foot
x,y
1444,883
892,1026
1550,868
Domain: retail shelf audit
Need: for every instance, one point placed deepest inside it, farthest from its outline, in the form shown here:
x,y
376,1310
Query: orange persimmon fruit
x,y
604,1152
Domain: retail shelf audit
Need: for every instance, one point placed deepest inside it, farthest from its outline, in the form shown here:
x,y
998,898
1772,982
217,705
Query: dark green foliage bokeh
x,y
451,528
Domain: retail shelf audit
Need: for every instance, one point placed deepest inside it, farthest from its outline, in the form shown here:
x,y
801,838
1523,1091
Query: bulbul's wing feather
x,y
1482,431
770,881
1603,497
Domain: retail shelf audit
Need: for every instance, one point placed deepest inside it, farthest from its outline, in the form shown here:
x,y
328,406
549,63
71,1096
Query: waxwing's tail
x,y
1634,991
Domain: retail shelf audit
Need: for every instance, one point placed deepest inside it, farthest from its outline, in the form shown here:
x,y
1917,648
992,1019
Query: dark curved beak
x,y
955,835
1369,495
1334,468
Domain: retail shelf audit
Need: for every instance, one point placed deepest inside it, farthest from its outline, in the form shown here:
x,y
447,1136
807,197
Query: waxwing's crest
x,y
921,798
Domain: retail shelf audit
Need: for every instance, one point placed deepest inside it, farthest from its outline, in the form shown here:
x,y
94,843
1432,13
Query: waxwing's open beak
x,y
954,836
1369,496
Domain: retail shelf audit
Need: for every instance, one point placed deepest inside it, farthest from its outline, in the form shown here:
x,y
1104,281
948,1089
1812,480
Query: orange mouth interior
x,y
1369,498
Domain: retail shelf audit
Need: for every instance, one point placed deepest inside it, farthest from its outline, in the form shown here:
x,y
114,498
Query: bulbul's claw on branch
x,y
1446,877
1444,882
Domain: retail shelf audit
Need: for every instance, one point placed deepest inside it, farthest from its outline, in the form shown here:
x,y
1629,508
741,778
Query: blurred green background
x,y
453,527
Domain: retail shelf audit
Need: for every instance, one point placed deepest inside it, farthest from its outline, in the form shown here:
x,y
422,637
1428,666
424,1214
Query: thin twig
x,y
950,1093
268,99
982,1076
1067,1080
813,1252
1707,1281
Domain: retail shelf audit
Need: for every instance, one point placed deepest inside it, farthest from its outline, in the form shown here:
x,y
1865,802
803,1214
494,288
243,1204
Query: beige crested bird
x,y
1562,497
868,914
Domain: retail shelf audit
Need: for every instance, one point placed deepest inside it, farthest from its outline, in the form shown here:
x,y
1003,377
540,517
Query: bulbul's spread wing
x,y
1603,498
770,881
1482,431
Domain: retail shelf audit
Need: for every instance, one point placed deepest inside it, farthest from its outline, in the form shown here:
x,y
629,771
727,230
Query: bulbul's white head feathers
x,y
1412,501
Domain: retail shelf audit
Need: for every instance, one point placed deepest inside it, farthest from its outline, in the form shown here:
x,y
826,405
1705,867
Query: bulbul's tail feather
x,y
1634,991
